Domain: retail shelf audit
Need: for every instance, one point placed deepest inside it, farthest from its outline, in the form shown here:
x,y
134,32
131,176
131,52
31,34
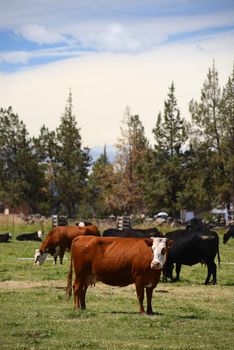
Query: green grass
x,y
34,313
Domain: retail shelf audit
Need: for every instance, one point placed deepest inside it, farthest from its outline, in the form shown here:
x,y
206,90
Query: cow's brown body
x,y
113,261
60,238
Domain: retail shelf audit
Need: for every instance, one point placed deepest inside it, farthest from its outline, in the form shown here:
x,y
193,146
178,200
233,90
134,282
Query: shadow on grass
x,y
191,317
228,284
136,313
187,282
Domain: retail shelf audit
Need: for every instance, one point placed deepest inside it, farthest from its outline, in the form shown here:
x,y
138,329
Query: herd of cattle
x,y
122,257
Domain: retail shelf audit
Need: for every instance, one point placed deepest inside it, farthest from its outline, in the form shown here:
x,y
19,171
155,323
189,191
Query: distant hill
x,y
96,151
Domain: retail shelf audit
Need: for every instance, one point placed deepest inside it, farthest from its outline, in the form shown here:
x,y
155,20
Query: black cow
x,y
33,236
5,237
228,234
191,247
132,232
196,224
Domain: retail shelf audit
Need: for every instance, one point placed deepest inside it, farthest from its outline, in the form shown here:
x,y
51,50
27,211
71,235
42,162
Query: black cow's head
x,y
228,234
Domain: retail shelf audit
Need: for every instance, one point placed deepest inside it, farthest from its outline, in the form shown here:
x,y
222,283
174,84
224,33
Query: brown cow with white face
x,y
117,262
59,239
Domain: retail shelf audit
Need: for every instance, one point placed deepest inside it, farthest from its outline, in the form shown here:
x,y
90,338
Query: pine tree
x,y
66,163
207,135
100,185
206,116
131,150
21,179
47,151
171,133
73,162
227,112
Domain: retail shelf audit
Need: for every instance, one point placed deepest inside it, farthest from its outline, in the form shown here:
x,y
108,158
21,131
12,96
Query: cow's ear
x,y
170,243
149,242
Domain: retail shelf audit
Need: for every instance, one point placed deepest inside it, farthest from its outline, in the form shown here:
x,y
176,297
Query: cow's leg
x,y
164,279
75,293
55,259
140,294
165,272
212,270
61,255
169,271
79,290
149,292
82,296
178,268
214,273
56,254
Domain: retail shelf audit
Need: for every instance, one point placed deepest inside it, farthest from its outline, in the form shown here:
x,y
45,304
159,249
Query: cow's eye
x,y
163,251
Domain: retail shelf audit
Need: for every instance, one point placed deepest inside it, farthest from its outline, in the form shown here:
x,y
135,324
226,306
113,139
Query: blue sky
x,y
111,54
37,32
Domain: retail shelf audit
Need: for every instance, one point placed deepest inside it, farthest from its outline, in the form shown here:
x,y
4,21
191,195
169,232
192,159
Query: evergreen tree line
x,y
190,165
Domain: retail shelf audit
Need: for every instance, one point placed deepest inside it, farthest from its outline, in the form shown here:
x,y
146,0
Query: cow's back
x,y
70,232
132,232
89,230
114,261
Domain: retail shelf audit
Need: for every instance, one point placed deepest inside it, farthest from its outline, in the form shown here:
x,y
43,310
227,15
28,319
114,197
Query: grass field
x,y
34,313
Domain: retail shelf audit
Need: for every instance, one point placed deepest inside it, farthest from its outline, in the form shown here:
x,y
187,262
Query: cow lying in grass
x,y
33,236
5,237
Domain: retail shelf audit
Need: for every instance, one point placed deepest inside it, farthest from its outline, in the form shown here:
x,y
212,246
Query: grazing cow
x,y
5,237
132,232
191,247
228,234
59,239
117,262
33,236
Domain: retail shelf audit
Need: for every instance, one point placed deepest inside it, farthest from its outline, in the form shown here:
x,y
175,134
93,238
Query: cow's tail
x,y
218,256
69,280
217,247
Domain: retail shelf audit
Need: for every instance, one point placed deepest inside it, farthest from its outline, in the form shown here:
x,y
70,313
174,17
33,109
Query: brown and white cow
x,y
59,239
117,262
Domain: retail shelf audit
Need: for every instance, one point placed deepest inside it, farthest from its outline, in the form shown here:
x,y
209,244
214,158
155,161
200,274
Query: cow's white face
x,y
39,258
39,233
81,224
159,248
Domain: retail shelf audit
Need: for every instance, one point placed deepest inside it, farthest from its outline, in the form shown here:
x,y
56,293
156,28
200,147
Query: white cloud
x,y
138,35
41,35
15,13
112,36
24,57
103,84
14,57
115,26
